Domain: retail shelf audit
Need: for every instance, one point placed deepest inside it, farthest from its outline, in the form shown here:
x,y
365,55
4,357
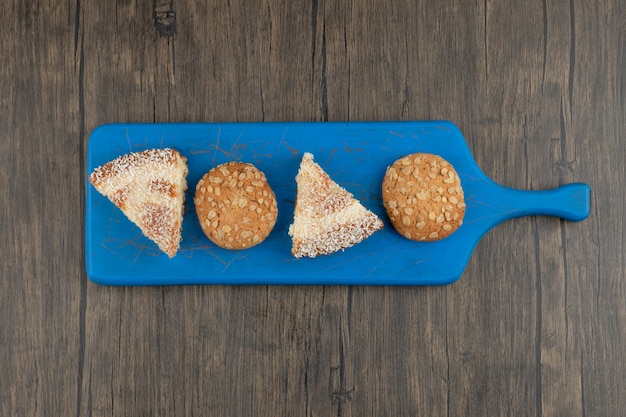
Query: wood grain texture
x,y
535,327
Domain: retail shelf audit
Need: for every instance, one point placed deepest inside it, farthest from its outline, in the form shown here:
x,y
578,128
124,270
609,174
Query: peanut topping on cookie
x,y
423,197
236,207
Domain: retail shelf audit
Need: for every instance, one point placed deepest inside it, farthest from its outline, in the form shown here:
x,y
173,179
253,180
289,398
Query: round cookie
x,y
423,197
236,206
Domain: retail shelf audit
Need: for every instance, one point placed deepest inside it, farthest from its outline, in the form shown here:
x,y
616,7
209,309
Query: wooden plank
x,y
40,288
536,326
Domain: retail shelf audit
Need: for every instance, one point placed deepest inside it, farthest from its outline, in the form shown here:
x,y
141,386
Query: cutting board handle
x,y
570,202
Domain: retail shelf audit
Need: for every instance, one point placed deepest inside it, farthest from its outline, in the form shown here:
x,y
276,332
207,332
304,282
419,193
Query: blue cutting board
x,y
355,155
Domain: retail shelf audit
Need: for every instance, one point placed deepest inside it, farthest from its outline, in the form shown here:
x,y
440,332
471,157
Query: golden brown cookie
x,y
423,197
236,206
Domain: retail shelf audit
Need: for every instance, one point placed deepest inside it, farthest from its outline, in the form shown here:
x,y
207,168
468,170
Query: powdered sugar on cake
x,y
327,218
149,187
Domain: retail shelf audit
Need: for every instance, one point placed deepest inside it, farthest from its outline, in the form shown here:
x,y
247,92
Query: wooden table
x,y
536,326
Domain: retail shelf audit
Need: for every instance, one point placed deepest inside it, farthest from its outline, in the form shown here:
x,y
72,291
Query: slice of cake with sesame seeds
x,y
149,187
327,218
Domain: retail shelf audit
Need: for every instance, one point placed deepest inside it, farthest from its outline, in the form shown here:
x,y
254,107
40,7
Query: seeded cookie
x,y
423,197
236,206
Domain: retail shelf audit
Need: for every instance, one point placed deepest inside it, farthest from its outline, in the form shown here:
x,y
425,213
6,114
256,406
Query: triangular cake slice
x,y
327,218
149,187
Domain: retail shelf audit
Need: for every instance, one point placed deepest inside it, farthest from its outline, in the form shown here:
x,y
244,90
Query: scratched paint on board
x,y
355,155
